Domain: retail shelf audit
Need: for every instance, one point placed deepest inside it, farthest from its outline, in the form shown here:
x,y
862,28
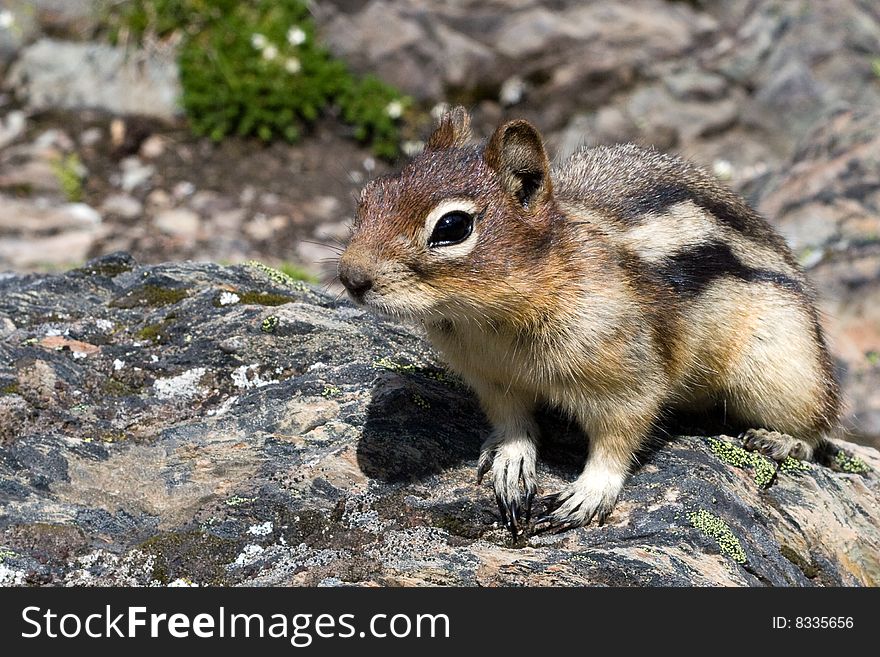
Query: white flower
x,y
270,52
259,41
439,110
723,169
228,298
7,18
292,65
296,36
412,147
394,109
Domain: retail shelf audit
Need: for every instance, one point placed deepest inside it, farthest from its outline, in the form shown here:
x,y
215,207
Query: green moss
x,y
277,277
69,172
420,401
117,388
297,273
792,465
11,388
150,295
264,298
875,66
434,374
196,556
718,530
873,357
153,333
113,437
848,463
238,500
808,568
388,364
270,324
764,468
330,391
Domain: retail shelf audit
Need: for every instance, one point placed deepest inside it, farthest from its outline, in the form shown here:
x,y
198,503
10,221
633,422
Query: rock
x,y
153,146
73,18
695,84
570,54
260,444
179,222
31,168
91,137
35,234
801,62
826,202
14,410
655,109
60,74
12,127
122,205
135,173
18,25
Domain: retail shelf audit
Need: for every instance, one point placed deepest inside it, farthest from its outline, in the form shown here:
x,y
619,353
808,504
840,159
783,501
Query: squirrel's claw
x,y
513,479
554,519
483,466
516,514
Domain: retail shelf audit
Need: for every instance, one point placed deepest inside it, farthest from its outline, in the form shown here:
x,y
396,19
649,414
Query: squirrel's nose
x,y
355,279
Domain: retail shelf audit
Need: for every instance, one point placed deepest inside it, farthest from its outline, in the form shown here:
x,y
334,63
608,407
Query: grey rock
x,y
695,84
12,126
135,173
60,74
310,443
122,205
802,60
576,52
38,234
73,18
179,222
18,25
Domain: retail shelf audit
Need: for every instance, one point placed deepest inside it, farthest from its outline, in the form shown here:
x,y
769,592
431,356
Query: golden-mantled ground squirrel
x,y
619,285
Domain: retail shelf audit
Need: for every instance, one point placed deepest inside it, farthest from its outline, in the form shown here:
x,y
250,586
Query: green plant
x,y
297,273
69,172
257,69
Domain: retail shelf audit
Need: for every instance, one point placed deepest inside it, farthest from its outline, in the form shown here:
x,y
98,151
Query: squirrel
x,y
616,286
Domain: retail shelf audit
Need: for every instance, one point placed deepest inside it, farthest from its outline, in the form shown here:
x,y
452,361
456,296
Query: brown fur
x,y
619,284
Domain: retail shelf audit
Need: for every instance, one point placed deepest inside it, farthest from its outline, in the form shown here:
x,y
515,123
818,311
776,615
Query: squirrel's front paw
x,y
513,476
587,498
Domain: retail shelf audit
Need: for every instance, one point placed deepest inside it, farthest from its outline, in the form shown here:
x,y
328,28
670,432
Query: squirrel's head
x,y
459,231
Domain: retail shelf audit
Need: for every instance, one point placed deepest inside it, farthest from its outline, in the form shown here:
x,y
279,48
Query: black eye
x,y
452,228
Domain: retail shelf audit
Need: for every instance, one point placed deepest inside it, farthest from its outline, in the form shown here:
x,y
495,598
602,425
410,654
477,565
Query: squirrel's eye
x,y
451,228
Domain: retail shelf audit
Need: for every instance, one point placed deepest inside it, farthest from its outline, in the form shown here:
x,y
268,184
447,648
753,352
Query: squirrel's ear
x,y
516,153
453,130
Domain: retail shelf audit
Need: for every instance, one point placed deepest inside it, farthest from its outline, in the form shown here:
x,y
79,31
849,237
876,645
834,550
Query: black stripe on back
x,y
661,196
692,271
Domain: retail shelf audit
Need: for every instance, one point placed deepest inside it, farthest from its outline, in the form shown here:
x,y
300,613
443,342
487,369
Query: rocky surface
x,y
778,98
197,424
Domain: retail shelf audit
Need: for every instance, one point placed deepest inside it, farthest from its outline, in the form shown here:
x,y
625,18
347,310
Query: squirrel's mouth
x,y
395,306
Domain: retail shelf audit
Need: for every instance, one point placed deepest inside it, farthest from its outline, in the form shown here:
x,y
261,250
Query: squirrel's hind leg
x,y
777,446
